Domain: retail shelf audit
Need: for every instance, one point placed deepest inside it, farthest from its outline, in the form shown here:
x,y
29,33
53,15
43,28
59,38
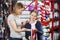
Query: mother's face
x,y
18,11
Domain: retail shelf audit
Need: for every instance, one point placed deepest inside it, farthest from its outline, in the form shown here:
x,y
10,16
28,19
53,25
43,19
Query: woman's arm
x,y
23,24
28,29
13,24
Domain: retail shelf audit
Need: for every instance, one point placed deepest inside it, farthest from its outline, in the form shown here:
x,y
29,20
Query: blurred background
x,y
6,7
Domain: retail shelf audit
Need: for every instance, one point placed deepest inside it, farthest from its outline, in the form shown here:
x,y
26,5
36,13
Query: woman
x,y
14,23
34,24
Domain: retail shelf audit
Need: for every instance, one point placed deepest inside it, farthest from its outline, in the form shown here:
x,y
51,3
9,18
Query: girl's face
x,y
18,11
33,16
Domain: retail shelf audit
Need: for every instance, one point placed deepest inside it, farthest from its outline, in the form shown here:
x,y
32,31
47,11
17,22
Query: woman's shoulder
x,y
11,16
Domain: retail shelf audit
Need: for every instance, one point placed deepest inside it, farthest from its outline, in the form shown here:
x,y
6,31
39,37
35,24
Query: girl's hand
x,y
35,29
29,37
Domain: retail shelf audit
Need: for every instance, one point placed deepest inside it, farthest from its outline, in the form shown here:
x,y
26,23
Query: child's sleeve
x,y
27,33
39,27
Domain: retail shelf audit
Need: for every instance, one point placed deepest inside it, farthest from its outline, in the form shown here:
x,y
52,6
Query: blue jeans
x,y
15,38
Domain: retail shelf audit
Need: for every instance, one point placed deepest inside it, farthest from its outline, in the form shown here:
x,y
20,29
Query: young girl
x,y
14,23
34,24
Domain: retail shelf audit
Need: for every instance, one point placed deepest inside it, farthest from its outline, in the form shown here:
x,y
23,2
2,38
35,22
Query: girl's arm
x,y
29,37
39,27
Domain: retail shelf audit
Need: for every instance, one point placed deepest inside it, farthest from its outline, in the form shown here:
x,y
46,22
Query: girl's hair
x,y
18,5
34,12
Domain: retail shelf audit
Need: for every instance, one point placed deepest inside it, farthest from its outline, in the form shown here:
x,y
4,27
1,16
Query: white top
x,y
14,34
33,25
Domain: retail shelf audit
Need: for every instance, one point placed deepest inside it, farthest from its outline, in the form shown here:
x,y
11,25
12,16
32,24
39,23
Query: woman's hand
x,y
23,24
28,29
25,29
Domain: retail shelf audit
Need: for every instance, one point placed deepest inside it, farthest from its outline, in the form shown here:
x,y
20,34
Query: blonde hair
x,y
17,5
